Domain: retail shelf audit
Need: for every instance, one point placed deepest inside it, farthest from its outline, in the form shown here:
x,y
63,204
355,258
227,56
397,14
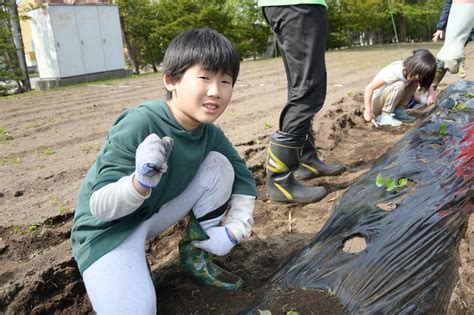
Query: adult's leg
x,y
457,32
302,33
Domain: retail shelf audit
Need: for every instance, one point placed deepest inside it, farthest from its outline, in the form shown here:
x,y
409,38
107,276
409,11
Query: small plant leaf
x,y
379,180
469,94
442,130
459,106
402,182
264,312
292,313
62,210
267,125
390,184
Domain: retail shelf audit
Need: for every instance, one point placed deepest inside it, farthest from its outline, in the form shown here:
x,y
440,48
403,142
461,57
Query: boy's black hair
x,y
421,63
205,47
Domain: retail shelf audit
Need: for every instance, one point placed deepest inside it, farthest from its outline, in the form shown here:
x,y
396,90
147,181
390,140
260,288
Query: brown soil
x,y
50,139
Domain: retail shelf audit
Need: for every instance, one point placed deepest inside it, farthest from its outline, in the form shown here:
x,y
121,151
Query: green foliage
x,y
442,130
10,160
390,183
48,151
62,210
459,106
10,71
292,313
266,125
4,135
31,228
148,27
16,228
468,94
264,312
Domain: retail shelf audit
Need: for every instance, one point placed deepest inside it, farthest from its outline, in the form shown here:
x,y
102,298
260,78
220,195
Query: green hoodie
x,y
92,238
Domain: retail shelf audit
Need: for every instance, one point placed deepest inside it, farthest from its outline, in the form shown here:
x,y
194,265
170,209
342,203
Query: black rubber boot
x,y
198,263
439,75
310,164
282,160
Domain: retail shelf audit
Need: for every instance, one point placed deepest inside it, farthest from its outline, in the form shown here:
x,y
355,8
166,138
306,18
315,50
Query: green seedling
x,y
267,125
292,313
390,183
10,160
468,94
31,228
16,228
48,151
349,94
264,312
4,135
62,210
459,106
442,130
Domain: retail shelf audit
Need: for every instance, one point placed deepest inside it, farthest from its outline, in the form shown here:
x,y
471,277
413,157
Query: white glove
x,y
220,241
151,159
239,218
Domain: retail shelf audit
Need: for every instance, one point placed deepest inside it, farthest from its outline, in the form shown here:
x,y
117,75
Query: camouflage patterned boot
x,y
198,263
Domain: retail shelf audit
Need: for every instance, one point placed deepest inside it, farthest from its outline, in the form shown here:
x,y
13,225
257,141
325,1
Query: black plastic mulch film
x,y
410,263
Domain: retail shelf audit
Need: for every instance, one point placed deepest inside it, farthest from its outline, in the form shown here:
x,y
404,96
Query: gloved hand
x,y
151,159
220,241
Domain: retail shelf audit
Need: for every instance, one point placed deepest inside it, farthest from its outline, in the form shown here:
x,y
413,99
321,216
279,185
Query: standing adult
x,y
457,17
301,28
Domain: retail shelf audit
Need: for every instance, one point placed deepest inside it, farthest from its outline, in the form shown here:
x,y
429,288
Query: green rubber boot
x,y
198,263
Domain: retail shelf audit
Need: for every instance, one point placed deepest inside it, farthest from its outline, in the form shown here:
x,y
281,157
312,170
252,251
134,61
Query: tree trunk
x,y
131,50
402,29
18,41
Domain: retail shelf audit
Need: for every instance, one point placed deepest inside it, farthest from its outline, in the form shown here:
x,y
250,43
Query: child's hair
x,y
421,63
205,47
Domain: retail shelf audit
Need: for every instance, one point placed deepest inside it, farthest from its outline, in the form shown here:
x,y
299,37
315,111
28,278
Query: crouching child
x,y
389,93
160,162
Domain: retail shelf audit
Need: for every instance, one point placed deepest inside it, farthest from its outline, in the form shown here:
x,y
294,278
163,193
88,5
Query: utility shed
x,y
77,43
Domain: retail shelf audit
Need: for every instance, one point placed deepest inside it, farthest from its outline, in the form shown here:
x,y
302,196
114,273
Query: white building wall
x,y
73,40
46,57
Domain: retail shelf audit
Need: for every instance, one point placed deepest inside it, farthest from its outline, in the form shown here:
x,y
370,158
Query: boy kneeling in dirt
x,y
394,86
160,161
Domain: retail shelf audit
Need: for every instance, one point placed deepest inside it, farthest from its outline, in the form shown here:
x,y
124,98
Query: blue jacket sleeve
x,y
443,18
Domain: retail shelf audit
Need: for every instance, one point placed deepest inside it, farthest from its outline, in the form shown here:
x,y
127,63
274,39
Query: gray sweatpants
x,y
119,282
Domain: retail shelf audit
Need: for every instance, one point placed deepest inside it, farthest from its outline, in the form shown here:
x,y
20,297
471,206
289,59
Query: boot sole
x,y
284,200
312,175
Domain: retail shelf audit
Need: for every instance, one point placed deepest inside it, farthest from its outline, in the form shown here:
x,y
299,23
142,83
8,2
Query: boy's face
x,y
200,96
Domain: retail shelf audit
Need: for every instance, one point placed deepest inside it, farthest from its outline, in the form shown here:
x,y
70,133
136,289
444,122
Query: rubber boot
x,y
311,166
439,75
198,263
282,160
